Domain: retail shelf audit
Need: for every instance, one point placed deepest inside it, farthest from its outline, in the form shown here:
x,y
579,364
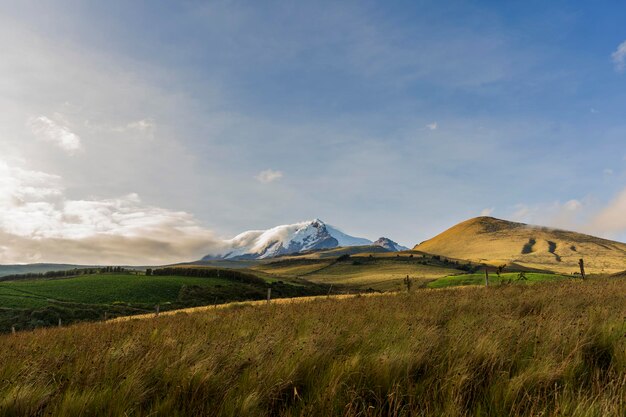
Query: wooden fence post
x,y
581,263
269,295
407,283
13,329
486,276
60,324
158,307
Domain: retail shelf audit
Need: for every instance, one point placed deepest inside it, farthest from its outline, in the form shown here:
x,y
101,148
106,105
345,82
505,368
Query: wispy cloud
x,y
432,126
269,175
611,219
487,211
145,126
619,57
586,215
51,131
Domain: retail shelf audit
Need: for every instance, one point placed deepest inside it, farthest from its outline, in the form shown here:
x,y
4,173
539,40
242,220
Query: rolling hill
x,y
494,241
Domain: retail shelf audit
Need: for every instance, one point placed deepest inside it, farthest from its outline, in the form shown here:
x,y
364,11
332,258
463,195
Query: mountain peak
x,y
389,244
285,239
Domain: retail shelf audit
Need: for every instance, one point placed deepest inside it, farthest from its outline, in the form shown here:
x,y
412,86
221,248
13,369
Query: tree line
x,y
229,274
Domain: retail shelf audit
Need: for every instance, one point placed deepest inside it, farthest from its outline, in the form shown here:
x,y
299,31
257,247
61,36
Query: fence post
x,y
157,308
60,324
269,295
581,263
486,276
13,329
329,290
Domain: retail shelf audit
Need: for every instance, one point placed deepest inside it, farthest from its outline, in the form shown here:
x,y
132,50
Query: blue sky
x,y
205,119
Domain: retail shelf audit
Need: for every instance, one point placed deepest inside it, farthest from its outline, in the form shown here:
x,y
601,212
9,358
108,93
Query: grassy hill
x,y
494,241
556,349
382,271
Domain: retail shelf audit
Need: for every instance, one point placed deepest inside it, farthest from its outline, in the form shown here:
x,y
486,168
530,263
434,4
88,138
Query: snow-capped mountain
x,y
285,239
390,245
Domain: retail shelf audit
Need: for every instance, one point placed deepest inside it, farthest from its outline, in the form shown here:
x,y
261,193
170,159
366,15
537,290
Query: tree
x,y
148,271
500,270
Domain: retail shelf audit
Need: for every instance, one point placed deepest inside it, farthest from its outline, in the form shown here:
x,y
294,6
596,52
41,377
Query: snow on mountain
x,y
390,245
285,239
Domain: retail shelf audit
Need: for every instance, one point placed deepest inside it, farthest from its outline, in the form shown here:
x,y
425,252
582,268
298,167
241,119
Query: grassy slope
x,y
485,239
479,279
556,349
380,271
292,267
27,304
99,289
380,274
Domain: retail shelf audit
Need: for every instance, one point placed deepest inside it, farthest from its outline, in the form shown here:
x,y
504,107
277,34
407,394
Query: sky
x,y
146,132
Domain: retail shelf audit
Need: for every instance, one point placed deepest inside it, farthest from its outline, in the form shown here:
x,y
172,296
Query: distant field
x,y
553,350
35,268
99,289
479,279
379,274
293,268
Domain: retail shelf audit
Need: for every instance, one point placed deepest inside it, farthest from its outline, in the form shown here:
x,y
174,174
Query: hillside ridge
x,y
497,241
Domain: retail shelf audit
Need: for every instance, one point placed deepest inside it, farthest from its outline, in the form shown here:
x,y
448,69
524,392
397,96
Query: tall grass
x,y
556,349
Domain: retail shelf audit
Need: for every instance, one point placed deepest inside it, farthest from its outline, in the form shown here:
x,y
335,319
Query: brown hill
x,y
495,241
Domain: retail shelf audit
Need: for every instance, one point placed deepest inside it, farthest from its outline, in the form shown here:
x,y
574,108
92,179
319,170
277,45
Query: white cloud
x,y
38,223
572,205
619,57
48,130
608,171
487,211
567,215
269,175
432,126
612,218
145,126
522,213
587,215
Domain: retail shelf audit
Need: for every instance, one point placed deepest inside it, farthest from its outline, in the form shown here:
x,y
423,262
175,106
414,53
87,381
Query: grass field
x,y
479,279
293,268
379,274
556,349
26,304
99,289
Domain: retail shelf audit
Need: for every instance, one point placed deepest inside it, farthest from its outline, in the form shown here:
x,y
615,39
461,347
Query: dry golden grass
x,y
494,241
382,274
555,349
239,304
292,268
